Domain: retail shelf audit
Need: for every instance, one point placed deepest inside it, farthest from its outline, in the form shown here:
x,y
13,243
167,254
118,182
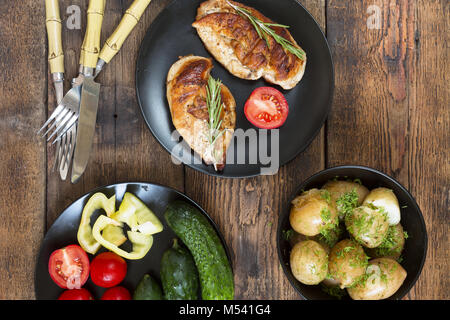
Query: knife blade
x,y
86,126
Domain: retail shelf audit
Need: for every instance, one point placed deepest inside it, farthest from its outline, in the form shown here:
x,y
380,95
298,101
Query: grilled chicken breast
x,y
234,42
186,93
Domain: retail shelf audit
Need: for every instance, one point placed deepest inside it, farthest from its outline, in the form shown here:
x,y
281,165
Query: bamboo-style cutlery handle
x,y
54,26
126,25
118,37
90,48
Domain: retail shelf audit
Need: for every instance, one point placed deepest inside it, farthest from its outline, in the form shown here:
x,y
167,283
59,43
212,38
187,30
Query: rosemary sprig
x,y
215,107
264,30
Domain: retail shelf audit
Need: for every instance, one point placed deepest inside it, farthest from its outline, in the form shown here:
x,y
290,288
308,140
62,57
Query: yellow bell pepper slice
x,y
137,215
141,242
84,235
114,234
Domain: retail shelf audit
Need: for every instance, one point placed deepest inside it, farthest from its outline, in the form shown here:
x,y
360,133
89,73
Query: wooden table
x,y
390,112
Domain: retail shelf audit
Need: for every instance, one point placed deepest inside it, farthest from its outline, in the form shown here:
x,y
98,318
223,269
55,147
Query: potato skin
x,y
338,188
347,262
311,212
392,246
384,277
309,262
367,225
386,199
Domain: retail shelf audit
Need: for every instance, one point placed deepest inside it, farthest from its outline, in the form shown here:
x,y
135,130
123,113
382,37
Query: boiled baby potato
x,y
385,198
392,245
330,282
347,263
368,225
309,262
312,213
345,195
384,276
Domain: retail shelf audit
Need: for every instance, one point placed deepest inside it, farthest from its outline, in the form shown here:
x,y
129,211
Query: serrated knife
x,y
91,90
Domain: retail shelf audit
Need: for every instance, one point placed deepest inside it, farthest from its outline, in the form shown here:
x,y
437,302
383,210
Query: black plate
x,y
64,232
412,221
171,36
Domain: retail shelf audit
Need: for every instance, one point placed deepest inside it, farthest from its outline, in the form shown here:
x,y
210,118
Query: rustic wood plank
x,y
369,119
22,160
429,143
246,211
139,157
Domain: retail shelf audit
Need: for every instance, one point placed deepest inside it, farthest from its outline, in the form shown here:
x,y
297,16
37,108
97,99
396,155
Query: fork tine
x,y
65,142
68,151
58,156
60,125
55,113
69,124
58,119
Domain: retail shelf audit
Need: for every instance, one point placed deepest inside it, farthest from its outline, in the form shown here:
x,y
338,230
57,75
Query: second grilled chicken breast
x,y
235,43
187,82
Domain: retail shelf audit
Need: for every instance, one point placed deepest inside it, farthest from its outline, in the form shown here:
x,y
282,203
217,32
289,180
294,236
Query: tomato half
x,y
266,108
108,269
69,267
76,294
116,293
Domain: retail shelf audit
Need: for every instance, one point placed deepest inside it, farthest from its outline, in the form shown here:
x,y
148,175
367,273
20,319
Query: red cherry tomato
x,y
76,294
266,108
108,269
116,293
69,267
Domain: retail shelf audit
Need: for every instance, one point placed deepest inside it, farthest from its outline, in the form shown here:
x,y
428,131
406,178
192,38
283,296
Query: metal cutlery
x,y
91,89
56,63
81,101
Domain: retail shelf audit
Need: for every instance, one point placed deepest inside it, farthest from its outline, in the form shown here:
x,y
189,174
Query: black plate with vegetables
x,y
172,36
352,232
144,229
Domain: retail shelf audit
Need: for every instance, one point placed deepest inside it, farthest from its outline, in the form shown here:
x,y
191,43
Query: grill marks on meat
x,y
195,74
249,48
234,42
186,93
190,83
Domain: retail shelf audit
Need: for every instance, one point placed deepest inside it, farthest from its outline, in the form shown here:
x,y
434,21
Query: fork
x,y
56,63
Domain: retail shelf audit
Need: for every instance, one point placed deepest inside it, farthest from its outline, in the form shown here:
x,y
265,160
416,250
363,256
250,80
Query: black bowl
x,y
412,221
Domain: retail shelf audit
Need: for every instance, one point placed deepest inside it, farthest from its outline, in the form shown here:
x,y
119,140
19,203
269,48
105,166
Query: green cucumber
x,y
148,289
197,233
179,275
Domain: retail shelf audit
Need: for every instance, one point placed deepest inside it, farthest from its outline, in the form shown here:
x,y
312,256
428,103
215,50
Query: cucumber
x,y
179,275
148,289
196,232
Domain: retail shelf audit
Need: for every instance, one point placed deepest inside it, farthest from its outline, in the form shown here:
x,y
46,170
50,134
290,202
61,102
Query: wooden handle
x,y
128,22
91,43
54,26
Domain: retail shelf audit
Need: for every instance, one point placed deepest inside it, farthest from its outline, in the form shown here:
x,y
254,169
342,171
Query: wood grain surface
x,y
390,112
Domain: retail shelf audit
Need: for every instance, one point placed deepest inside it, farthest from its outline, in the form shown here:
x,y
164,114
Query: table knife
x,y
91,89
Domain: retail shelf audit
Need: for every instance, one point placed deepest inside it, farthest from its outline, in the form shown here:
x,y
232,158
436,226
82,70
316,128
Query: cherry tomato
x,y
69,267
266,108
116,293
108,269
76,294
